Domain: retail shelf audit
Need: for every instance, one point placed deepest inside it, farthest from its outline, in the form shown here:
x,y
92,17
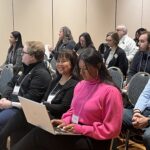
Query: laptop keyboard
x,y
60,130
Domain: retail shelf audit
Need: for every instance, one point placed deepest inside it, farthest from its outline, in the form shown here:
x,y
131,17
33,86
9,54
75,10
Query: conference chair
x,y
135,88
117,76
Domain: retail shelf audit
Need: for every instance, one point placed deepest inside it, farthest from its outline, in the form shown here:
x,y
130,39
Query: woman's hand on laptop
x,y
62,125
69,128
58,123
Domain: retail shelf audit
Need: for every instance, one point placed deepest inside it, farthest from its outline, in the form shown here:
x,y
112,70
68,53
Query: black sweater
x,y
62,100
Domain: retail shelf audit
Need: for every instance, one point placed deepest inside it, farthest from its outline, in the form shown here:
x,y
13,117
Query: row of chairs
x,y
5,76
117,76
136,85
135,88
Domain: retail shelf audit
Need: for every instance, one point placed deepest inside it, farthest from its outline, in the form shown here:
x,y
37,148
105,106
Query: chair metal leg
x,y
127,140
111,145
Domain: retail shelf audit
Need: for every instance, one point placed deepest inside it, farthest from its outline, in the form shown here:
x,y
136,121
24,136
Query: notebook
x,y
37,114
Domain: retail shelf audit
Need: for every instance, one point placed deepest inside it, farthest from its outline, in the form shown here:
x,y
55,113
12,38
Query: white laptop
x,y
37,114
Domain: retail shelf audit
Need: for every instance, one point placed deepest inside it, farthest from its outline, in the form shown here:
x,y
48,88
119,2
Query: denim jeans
x,y
5,115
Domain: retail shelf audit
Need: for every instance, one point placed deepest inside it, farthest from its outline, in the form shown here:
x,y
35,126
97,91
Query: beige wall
x,y
41,20
85,16
71,13
33,18
146,14
129,12
6,26
100,19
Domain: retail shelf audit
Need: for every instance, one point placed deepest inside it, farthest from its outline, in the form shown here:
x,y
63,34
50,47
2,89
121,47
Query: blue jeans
x,y
127,124
5,115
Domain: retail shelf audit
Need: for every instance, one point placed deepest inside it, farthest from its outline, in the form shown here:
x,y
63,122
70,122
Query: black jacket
x,y
33,83
140,63
70,44
102,48
119,59
61,102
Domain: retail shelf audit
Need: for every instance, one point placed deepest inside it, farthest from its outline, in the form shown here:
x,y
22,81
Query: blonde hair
x,y
36,48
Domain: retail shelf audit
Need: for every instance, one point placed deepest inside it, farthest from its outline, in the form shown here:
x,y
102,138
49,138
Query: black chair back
x,y
117,76
136,86
5,77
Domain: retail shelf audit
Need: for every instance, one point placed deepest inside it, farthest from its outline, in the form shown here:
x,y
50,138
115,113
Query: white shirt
x,y
129,46
110,57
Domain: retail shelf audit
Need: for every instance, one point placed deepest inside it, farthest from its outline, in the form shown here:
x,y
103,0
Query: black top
x,y
140,63
119,59
62,100
56,89
61,46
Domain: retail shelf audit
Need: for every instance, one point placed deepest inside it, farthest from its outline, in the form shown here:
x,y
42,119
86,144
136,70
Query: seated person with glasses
x,y
31,83
115,56
57,98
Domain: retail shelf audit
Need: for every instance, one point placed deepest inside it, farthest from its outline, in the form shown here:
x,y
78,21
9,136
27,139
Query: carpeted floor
x,y
132,146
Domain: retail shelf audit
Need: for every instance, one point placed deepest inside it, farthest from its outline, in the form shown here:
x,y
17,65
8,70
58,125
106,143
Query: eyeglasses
x,y
108,40
119,30
24,52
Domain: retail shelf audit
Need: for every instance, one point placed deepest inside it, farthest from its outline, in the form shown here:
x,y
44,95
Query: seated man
x,y
141,60
31,83
126,43
139,116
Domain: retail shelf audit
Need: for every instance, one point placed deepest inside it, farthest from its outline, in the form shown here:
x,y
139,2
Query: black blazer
x,y
33,83
119,60
61,102
61,46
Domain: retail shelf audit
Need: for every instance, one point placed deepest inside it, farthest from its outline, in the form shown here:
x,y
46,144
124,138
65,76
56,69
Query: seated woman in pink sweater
x,y
95,113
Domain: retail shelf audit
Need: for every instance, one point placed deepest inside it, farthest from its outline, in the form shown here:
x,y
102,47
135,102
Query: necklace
x,y
62,81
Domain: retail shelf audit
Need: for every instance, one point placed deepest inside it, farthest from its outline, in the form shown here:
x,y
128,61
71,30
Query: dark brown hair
x,y
114,36
91,57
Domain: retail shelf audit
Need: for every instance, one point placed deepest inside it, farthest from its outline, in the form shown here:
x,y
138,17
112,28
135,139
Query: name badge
x,y
75,119
16,90
50,98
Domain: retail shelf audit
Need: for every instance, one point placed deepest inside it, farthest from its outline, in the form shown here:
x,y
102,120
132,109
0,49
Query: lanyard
x,y
86,98
17,87
50,94
54,89
75,118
